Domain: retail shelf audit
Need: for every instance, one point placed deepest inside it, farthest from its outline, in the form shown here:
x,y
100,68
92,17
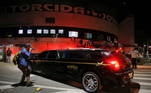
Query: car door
x,y
72,66
57,61
38,63
52,63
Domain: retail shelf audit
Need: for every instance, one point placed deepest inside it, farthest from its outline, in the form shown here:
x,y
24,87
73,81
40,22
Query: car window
x,y
67,54
106,53
74,54
77,55
43,55
52,55
83,55
61,54
95,55
118,56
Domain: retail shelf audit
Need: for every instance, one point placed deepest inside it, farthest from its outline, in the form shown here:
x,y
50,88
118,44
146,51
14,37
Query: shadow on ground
x,y
133,87
22,84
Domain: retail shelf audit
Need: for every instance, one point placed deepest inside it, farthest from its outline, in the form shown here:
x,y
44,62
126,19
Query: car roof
x,y
84,49
78,49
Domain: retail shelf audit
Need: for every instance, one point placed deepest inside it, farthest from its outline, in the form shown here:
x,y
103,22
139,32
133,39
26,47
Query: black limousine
x,y
93,68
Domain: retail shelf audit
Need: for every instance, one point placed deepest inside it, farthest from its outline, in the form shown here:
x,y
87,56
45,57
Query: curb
x,y
144,66
4,63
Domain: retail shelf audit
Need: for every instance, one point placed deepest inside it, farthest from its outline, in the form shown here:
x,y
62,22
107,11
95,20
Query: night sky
x,y
142,13
142,22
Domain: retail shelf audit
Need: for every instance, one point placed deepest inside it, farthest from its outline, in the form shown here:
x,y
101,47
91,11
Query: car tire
x,y
91,82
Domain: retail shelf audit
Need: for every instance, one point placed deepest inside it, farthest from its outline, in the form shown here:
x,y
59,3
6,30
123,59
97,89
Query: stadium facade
x,y
60,24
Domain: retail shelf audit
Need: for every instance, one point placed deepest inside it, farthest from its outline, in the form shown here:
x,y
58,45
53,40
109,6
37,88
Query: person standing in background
x,y
8,55
134,55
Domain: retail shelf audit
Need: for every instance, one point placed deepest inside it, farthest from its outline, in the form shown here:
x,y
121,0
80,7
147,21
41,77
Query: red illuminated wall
x,y
42,44
61,19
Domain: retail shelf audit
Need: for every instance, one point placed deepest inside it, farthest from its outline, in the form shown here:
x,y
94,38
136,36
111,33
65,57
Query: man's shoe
x,y
22,83
29,84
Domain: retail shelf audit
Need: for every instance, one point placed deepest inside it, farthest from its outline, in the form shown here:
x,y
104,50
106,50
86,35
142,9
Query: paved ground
x,y
9,75
142,76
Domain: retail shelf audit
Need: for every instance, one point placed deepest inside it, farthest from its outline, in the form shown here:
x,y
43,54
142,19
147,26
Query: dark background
x,y
140,9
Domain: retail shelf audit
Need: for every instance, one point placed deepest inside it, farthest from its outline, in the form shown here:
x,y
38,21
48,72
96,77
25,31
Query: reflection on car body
x,y
92,67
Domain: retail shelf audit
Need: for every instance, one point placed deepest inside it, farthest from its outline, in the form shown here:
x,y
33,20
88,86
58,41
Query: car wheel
x,y
90,82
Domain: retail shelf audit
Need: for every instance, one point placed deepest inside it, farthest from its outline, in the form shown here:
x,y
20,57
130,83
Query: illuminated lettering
x,y
65,8
78,10
57,8
49,7
36,7
114,21
103,16
99,15
109,18
24,8
88,12
94,13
